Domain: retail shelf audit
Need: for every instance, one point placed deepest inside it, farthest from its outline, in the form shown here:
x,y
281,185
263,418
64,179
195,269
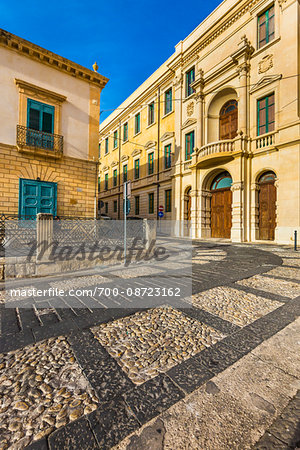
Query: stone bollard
x,y
44,236
149,229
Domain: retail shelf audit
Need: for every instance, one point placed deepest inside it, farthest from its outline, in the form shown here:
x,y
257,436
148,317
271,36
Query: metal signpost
x,y
160,215
126,209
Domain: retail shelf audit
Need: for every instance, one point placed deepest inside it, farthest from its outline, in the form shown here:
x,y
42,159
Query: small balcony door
x,y
36,197
229,120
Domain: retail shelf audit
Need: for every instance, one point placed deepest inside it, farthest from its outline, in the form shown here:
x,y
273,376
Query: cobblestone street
x,y
218,371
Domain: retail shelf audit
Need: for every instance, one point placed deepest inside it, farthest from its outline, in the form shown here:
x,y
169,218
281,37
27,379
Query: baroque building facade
x,y
49,115
223,110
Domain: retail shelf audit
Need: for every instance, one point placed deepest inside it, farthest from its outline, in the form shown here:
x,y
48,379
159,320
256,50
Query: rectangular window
x,y
168,199
265,115
150,163
137,169
167,156
99,151
190,78
189,145
125,132
137,123
125,173
99,184
151,113
151,203
115,139
115,206
106,145
40,117
106,207
266,27
115,177
106,181
137,205
168,101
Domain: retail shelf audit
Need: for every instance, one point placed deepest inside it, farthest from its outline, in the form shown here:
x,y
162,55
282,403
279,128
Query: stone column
x,y
178,207
237,211
254,211
194,205
44,236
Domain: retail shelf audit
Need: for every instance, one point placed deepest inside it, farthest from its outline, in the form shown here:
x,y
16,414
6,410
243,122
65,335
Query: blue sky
x,y
128,39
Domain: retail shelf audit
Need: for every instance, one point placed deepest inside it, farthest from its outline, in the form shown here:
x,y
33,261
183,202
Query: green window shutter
x,y
136,168
168,101
99,184
150,163
106,145
168,196
125,132
115,139
106,181
167,156
124,173
115,176
137,205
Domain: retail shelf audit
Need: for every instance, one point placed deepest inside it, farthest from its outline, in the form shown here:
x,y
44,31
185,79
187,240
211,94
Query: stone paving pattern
x,y
42,388
232,384
153,341
240,308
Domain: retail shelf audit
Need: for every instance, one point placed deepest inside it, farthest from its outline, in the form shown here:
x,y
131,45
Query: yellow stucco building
x,y
213,134
49,115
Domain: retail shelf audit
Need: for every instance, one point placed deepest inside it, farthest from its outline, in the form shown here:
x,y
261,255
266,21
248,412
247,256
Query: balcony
x,y
221,150
29,140
263,141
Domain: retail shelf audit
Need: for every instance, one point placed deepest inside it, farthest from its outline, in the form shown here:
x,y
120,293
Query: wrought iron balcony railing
x,y
27,137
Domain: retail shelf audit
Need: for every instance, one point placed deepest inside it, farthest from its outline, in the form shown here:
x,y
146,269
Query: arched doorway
x,y
267,206
229,120
221,201
187,210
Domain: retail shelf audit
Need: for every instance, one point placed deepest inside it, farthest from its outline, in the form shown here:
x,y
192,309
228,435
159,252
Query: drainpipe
x,y
158,147
96,188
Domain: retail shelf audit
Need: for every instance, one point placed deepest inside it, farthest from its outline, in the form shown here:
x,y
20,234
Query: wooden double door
x,y
267,211
221,211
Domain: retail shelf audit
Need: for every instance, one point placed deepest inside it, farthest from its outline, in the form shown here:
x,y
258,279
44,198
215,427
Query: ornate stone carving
x,y
281,3
177,80
254,187
237,186
190,109
265,64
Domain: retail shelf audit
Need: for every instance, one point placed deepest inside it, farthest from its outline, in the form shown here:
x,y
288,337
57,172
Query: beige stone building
x,y
49,116
232,125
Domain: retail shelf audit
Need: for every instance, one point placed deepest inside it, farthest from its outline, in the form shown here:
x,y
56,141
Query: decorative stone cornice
x,y
150,144
167,135
237,186
32,89
114,164
188,123
124,158
136,152
264,81
243,55
36,53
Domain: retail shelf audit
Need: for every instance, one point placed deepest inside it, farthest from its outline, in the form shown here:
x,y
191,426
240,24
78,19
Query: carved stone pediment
x,y
150,144
188,123
264,81
167,135
105,168
136,152
124,158
114,163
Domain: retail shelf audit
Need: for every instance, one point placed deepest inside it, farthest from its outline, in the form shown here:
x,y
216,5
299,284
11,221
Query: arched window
x,y
229,120
267,177
221,181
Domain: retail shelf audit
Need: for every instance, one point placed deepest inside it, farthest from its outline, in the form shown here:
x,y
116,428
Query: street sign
x,y
127,189
160,214
160,208
126,206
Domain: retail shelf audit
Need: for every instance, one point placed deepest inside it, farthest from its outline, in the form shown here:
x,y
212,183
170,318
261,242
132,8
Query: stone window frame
x,y
40,94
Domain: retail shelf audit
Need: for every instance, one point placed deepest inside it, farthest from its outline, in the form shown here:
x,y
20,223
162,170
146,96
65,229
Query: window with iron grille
x,y
137,168
151,113
115,177
266,115
168,200
266,27
125,132
137,123
189,145
116,139
168,101
106,207
151,203
137,205
106,145
125,173
106,181
115,206
189,79
167,156
150,163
